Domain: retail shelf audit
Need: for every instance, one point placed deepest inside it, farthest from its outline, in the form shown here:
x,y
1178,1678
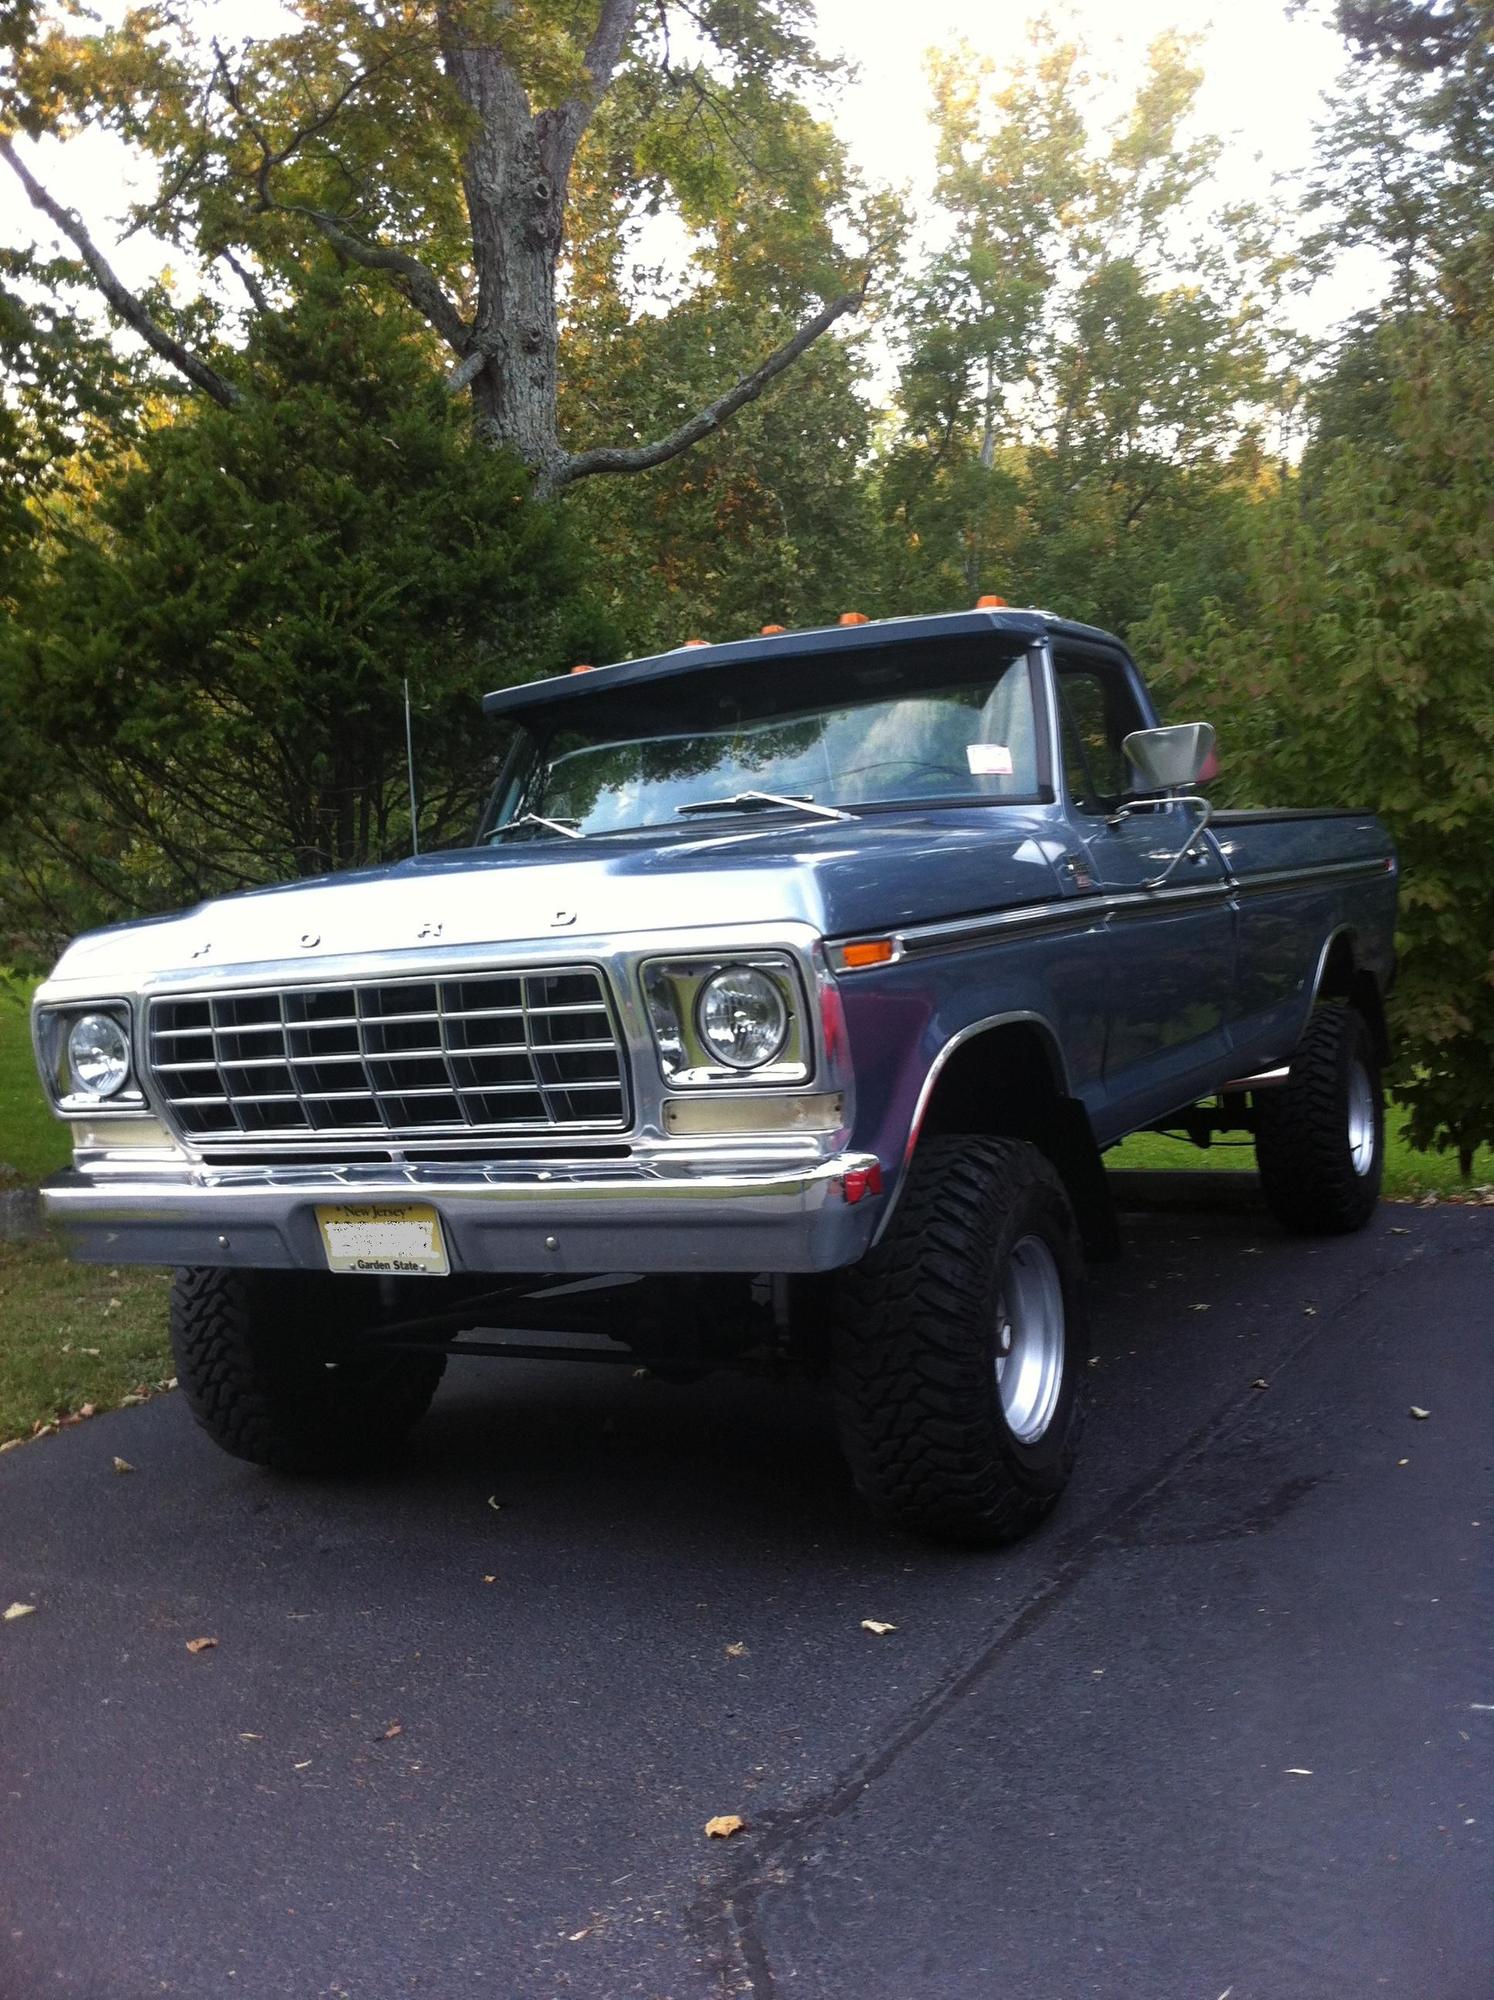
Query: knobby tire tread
x,y
251,1369
1301,1133
917,1415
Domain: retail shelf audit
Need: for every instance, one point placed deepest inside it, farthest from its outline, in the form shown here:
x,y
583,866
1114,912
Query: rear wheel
x,y
1320,1137
959,1346
272,1368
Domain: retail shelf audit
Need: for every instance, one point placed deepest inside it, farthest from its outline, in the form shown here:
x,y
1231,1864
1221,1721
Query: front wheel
x,y
958,1348
1320,1136
273,1369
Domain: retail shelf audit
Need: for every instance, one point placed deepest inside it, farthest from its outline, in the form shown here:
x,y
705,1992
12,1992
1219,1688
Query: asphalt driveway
x,y
1223,1726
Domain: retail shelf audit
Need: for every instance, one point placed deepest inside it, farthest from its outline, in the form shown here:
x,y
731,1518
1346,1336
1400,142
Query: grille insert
x,y
526,1051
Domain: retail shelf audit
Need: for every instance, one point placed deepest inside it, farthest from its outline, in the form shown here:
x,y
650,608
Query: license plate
x,y
396,1239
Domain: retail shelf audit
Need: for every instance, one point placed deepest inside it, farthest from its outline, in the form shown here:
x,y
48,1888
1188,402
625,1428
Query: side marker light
x,y
859,1182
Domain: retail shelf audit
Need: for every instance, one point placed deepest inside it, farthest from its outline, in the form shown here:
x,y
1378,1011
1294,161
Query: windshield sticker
x,y
989,760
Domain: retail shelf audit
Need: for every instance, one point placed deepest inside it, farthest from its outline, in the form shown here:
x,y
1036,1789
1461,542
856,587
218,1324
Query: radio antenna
x,y
410,773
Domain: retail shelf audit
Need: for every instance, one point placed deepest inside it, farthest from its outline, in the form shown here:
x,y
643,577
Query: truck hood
x,y
840,878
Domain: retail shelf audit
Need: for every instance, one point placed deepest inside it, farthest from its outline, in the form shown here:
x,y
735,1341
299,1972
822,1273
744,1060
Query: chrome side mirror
x,y
1170,760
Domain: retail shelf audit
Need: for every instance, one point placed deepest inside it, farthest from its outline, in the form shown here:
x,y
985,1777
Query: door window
x,y
1096,711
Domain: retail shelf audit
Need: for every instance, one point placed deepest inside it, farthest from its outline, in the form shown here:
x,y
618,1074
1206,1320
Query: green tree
x,y
202,689
1359,671
1086,360
69,400
435,146
767,520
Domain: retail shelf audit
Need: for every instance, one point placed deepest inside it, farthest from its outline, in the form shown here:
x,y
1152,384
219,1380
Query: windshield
x,y
947,721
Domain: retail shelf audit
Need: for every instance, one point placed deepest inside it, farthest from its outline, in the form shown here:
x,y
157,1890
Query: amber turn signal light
x,y
862,952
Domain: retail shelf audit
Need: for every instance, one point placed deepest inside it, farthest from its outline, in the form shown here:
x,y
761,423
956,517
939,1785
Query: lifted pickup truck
x,y
782,1008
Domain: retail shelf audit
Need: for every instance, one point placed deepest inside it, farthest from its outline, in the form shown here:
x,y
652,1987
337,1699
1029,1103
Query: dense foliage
x,y
335,464
1355,666
203,688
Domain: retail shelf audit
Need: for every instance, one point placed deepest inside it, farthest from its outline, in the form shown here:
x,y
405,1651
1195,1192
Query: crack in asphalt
x,y
725,1921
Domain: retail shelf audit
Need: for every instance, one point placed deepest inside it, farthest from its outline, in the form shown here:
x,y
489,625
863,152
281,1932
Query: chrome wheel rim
x,y
1361,1119
1030,1340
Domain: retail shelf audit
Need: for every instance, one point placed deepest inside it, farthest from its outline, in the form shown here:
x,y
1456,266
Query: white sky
x,y
1264,79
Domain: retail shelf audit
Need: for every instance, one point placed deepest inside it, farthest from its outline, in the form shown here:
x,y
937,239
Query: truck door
x,y
1169,953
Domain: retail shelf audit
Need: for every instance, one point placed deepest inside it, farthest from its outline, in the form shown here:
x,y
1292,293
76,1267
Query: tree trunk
x,y
515,205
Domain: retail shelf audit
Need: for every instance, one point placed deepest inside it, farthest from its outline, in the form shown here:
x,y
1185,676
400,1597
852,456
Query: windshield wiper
x,y
571,832
755,801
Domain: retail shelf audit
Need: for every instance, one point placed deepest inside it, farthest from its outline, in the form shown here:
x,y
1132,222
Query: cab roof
x,y
1024,627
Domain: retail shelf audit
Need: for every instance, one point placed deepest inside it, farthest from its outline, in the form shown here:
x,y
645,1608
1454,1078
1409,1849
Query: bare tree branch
x,y
560,130
639,458
466,372
419,284
416,281
257,294
119,295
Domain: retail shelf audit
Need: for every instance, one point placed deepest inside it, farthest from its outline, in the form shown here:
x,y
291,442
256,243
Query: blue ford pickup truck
x,y
782,1008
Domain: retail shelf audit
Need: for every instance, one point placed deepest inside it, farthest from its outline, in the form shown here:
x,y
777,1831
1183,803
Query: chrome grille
x,y
535,1050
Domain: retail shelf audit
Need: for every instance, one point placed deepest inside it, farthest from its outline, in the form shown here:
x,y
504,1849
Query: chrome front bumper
x,y
610,1216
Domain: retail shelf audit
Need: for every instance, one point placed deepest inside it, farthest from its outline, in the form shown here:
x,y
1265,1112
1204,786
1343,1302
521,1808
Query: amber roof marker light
x,y
990,602
771,631
854,618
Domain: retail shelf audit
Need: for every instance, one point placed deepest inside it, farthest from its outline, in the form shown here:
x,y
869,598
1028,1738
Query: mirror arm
x,y
1190,845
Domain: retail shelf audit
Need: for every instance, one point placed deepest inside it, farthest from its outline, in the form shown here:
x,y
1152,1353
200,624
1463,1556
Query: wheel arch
x,y
1341,976
1006,1077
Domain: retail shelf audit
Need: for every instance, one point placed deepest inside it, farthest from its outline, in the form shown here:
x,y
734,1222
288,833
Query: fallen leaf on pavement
x,y
1260,1382
495,1503
394,1729
490,1579
200,1645
19,1610
123,1465
1198,1309
302,1767
1416,1411
1396,1230
129,1402
1297,1771
877,1625
249,1736
737,1650
576,1936
724,1825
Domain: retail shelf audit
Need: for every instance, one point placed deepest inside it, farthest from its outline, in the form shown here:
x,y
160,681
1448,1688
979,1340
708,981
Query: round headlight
x,y
742,1017
98,1054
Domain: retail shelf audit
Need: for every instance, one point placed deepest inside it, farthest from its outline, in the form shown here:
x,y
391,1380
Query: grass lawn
x,y
74,1336
33,1143
1409,1176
